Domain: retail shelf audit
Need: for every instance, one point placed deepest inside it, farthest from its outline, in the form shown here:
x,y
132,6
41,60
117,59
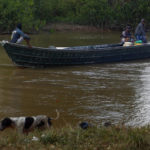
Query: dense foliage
x,y
100,13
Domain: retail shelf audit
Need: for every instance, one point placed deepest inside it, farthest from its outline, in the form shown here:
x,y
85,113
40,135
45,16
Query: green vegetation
x,y
94,138
34,14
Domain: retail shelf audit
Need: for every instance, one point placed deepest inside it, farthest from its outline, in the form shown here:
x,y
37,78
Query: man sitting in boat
x,y
126,35
140,32
18,35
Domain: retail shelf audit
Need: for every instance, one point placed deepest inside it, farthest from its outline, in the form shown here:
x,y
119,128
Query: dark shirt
x,y
140,30
16,34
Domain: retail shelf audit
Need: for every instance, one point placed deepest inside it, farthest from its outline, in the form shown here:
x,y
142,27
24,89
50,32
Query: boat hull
x,y
46,57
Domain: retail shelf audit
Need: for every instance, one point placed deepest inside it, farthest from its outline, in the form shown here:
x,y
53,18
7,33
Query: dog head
x,y
43,123
5,123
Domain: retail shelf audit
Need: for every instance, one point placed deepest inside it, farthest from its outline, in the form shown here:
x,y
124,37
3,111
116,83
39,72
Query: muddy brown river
x,y
116,92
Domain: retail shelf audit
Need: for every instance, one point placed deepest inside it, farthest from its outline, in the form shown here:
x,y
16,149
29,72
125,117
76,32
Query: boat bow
x,y
3,42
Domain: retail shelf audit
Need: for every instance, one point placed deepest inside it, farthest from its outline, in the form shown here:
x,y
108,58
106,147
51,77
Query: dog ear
x,y
6,122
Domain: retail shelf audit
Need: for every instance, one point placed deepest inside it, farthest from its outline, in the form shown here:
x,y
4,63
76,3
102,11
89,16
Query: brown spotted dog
x,y
27,124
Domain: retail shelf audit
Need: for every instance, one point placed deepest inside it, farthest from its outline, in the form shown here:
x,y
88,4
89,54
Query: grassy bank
x,y
68,138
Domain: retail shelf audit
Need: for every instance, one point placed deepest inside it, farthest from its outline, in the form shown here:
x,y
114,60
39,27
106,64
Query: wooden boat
x,y
80,55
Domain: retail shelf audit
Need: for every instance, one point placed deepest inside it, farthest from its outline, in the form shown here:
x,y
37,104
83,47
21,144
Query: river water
x,y
116,92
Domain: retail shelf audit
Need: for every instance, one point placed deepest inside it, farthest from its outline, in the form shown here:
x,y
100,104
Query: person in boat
x,y
126,35
18,35
140,32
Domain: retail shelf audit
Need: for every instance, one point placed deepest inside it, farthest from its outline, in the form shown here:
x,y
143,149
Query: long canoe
x,y
37,57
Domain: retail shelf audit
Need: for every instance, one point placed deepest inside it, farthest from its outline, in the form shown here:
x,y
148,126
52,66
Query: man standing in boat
x,y
18,35
140,32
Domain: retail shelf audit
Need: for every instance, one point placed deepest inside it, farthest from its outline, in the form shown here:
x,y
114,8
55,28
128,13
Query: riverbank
x,y
51,27
68,138
62,27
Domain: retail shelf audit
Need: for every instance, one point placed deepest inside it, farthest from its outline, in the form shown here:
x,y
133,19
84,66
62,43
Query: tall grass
x,y
68,138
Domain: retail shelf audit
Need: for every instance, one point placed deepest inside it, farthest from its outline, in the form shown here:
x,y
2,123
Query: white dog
x,y
27,124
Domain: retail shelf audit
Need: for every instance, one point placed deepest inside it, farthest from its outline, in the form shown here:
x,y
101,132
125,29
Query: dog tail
x,y
58,114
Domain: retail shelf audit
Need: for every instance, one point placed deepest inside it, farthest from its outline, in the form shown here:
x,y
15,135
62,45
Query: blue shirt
x,y
16,34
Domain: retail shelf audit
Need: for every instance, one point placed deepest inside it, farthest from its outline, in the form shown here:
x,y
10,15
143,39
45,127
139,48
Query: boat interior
x,y
88,47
